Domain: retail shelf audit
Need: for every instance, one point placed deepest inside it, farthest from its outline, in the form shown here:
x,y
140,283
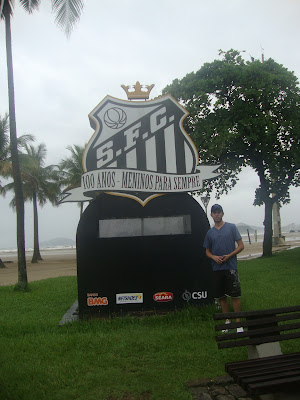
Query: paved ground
x,y
218,388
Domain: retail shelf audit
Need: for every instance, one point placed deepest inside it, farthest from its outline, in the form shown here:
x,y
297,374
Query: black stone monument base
x,y
133,258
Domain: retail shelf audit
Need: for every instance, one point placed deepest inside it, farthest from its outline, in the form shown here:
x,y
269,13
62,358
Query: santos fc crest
x,y
139,150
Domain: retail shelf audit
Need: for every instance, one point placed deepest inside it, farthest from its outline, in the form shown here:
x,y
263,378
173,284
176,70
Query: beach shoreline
x,y
55,263
62,261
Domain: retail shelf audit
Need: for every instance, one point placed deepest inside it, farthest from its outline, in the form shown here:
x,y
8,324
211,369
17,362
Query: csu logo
x,y
187,296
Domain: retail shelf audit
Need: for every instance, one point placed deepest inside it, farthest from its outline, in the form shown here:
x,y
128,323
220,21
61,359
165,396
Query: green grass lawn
x,y
124,358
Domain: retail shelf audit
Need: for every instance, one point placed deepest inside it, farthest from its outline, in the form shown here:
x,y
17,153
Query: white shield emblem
x,y
140,150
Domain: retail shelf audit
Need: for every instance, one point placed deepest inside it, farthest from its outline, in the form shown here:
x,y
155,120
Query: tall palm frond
x,y
72,169
4,148
5,153
4,140
67,12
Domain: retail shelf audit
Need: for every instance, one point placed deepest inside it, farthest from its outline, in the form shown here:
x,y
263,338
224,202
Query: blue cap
x,y
216,207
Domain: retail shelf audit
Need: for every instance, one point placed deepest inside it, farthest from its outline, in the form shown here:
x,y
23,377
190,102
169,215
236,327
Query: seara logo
x,y
163,297
97,301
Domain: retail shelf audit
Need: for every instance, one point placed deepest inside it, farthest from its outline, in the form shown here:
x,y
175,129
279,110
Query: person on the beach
x,y
220,244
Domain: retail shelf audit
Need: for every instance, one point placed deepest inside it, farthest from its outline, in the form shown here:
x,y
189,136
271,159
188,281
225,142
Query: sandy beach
x,y
56,262
62,262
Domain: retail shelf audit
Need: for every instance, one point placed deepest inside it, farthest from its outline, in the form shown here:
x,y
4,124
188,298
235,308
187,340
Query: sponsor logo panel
x,y
93,299
199,295
128,298
163,297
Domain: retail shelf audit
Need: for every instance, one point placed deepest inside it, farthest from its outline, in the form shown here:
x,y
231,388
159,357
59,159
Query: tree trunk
x,y
36,246
267,244
2,265
22,272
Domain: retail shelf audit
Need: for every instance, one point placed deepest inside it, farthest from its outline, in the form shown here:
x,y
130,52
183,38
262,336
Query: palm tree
x,y
4,145
40,183
5,155
72,169
67,13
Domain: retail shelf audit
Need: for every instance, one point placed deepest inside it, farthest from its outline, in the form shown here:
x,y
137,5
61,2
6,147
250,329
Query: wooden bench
x,y
267,370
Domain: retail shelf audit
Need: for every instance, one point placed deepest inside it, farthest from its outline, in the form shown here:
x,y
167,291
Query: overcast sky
x,y
58,81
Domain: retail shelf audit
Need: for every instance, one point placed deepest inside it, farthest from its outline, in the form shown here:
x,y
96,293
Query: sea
x,y
259,238
63,250
71,250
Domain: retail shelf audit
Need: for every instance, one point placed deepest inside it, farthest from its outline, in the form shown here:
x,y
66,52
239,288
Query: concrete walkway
x,y
218,388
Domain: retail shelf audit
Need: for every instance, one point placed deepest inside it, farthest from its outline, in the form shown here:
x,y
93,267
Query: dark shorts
x,y
227,283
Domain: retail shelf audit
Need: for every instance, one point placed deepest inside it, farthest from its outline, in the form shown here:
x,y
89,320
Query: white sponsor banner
x,y
129,180
127,298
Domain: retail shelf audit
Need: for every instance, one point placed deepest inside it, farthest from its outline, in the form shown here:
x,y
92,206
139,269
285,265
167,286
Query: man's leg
x,y
236,304
235,292
224,304
225,309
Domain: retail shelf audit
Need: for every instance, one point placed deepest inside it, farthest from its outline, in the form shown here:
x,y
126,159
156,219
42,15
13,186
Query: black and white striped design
x,y
154,141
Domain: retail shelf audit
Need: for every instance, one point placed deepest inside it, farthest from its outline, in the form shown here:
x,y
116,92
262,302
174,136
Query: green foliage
x,y
21,287
72,168
40,182
4,147
3,137
116,358
245,114
269,283
5,153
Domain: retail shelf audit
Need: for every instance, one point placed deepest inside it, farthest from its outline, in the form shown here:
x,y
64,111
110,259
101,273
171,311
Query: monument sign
x,y
139,242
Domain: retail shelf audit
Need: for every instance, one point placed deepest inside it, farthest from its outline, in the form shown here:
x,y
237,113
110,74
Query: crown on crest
x,y
138,93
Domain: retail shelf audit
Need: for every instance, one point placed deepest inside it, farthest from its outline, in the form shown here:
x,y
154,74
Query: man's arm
x,y
217,259
240,247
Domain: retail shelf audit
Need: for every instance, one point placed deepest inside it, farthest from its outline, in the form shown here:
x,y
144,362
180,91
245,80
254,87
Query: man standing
x,y
220,243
